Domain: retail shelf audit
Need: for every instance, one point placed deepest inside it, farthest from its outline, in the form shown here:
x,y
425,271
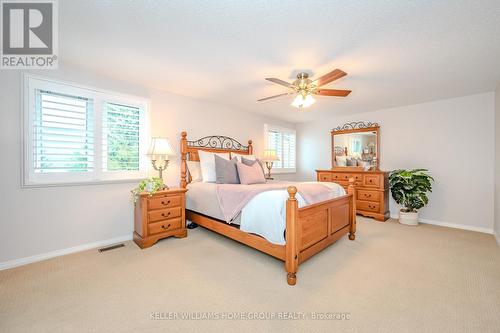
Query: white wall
x,y
452,138
38,220
497,163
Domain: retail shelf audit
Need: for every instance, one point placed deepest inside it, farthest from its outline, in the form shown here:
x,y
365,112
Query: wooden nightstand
x,y
159,216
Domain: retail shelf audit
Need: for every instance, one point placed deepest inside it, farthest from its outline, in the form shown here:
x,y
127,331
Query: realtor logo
x,y
29,34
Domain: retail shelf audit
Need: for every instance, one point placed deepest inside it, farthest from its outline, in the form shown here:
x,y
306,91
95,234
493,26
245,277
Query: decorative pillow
x,y
239,156
207,162
251,162
341,161
194,169
250,174
351,162
226,171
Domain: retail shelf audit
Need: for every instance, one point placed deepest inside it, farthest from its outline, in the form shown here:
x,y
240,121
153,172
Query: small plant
x,y
409,188
150,185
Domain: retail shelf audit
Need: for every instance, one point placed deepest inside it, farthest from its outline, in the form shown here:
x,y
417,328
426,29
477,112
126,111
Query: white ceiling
x,y
396,52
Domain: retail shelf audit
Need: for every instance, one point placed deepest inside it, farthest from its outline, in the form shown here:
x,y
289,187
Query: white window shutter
x,y
121,137
63,136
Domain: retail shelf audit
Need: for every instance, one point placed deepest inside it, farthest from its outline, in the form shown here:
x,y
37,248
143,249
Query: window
x,y
283,141
79,135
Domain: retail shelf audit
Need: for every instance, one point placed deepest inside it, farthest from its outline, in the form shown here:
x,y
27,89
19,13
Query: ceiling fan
x,y
305,88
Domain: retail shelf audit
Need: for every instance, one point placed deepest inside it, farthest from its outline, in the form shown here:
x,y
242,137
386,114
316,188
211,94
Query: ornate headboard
x,y
212,143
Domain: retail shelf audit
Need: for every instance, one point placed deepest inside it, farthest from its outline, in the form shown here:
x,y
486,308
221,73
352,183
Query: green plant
x,y
151,185
409,188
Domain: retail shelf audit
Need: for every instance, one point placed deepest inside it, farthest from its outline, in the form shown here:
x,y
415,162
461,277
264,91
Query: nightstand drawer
x,y
163,226
165,202
163,214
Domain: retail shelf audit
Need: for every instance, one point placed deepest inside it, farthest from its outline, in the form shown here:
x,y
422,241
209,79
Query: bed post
x,y
352,227
250,147
291,234
183,159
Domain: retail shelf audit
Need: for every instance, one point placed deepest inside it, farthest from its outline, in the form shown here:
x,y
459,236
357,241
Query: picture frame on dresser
x,y
359,142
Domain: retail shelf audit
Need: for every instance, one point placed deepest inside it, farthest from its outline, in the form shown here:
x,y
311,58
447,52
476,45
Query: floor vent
x,y
112,247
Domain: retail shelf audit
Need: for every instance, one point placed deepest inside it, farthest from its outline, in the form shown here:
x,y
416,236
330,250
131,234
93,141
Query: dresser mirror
x,y
356,145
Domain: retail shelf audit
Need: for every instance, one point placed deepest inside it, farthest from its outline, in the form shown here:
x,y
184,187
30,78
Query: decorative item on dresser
x,y
309,229
159,215
356,154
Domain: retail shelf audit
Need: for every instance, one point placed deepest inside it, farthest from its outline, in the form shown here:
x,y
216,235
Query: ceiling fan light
x,y
298,102
308,101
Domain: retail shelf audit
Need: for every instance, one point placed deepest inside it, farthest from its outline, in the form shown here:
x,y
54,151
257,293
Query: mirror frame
x,y
356,127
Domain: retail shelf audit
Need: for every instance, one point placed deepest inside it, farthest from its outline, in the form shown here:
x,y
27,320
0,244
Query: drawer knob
x,y
163,202
368,195
163,214
163,227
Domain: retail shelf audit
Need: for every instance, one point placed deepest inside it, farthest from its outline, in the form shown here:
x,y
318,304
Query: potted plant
x,y
150,185
409,189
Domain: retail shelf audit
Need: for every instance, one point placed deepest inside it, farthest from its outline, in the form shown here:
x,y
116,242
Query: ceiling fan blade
x,y
265,99
332,92
327,78
281,82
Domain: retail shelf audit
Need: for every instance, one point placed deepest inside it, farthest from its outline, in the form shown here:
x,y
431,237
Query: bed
x,y
308,229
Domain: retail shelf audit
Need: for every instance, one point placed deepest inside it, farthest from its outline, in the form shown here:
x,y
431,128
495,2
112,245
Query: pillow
x,y
207,163
239,156
341,161
351,162
226,171
251,162
250,174
194,169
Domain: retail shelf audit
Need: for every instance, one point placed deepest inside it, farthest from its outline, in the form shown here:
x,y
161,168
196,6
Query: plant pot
x,y
408,218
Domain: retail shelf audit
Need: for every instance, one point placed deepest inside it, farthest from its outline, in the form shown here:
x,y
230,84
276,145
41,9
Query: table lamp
x,y
269,156
159,151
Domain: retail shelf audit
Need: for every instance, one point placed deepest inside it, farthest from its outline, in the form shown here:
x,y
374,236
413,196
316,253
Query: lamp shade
x,y
269,155
160,147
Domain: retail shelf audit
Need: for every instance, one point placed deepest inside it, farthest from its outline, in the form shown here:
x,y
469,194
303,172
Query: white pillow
x,y
341,161
194,169
207,163
238,157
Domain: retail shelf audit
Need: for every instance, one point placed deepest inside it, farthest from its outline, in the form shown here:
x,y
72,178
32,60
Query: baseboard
x,y
497,237
452,225
62,252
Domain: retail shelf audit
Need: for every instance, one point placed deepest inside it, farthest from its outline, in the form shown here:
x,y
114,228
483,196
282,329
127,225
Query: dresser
x,y
159,216
372,189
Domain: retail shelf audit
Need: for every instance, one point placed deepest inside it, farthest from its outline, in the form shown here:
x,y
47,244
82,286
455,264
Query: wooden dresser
x,y
372,189
159,216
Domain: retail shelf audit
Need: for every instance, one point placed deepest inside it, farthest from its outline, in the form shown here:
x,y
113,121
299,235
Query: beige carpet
x,y
391,279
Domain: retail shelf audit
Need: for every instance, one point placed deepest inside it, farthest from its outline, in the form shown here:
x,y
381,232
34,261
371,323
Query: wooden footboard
x,y
312,228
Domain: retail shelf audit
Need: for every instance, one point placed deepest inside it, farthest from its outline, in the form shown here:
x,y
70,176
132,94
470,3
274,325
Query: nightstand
x,y
159,216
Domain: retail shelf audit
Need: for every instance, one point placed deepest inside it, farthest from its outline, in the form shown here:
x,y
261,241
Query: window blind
x,y
283,142
63,139
121,137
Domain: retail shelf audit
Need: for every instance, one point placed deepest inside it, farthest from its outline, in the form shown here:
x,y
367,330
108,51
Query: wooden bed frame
x,y
309,229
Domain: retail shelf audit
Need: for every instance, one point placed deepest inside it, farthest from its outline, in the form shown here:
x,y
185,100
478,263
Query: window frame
x,y
99,97
267,128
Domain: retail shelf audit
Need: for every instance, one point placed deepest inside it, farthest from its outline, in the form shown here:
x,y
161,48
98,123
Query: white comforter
x,y
263,215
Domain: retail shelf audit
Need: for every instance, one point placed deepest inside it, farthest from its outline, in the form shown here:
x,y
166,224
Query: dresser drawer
x,y
324,177
163,226
371,181
163,214
368,195
164,202
367,206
